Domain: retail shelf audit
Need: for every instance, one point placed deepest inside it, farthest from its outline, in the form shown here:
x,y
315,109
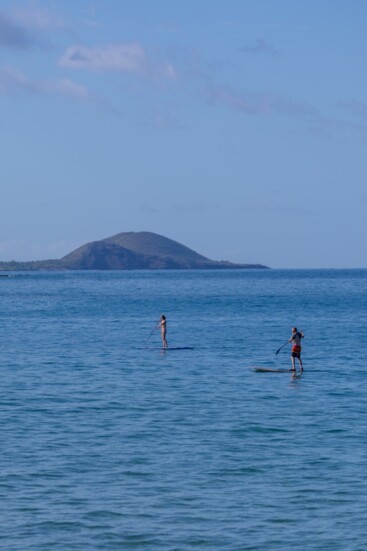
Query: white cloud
x,y
128,58
124,57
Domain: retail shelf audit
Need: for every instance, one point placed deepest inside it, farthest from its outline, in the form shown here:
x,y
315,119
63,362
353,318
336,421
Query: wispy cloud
x,y
256,103
14,35
13,82
38,18
239,101
65,87
261,46
338,128
316,121
28,28
127,58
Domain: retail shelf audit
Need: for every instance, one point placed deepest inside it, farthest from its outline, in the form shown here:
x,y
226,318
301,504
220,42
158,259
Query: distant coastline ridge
x,y
130,251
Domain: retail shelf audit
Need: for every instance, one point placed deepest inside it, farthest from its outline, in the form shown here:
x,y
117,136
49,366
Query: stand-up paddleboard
x,y
271,370
169,349
177,348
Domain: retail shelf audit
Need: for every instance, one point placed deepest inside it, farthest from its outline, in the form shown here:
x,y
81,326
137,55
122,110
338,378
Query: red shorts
x,y
296,351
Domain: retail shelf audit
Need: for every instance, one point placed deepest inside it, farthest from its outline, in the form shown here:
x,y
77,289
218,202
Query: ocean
x,y
108,442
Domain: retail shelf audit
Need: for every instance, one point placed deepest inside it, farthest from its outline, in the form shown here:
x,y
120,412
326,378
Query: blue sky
x,y
236,127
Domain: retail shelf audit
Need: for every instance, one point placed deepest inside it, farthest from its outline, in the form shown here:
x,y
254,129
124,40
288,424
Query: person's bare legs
x,y
293,364
164,340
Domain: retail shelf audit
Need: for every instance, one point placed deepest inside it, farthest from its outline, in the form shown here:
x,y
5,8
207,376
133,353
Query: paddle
x,y
154,328
279,349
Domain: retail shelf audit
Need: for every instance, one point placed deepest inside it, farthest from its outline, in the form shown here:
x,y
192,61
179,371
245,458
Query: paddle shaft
x,y
154,328
279,349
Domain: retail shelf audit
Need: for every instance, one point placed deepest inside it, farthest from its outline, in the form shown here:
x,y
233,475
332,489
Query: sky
x,y
236,127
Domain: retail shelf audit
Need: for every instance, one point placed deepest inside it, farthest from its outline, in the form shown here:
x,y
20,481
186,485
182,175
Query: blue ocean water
x,y
107,442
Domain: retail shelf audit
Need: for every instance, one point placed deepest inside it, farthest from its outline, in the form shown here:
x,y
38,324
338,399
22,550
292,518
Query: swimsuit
x,y
296,351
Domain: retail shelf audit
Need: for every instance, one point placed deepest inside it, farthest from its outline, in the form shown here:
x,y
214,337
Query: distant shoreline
x,y
15,266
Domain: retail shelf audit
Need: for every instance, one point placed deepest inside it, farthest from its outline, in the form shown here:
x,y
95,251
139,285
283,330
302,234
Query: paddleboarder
x,y
162,324
296,347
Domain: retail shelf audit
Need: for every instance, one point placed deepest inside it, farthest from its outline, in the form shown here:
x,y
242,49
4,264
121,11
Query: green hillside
x,y
129,251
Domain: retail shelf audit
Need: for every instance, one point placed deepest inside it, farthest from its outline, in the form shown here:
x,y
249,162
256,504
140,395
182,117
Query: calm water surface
x,y
108,443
